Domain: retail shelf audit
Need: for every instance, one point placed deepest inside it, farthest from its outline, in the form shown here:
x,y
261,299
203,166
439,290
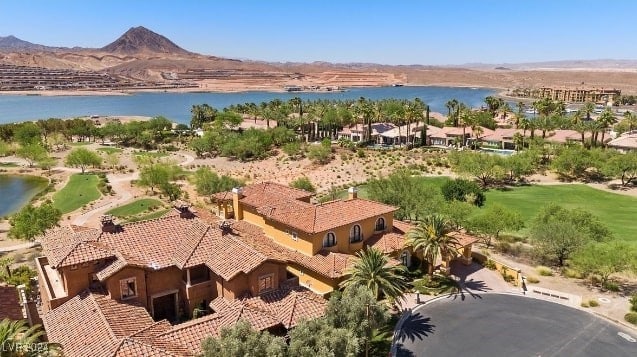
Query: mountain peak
x,y
140,39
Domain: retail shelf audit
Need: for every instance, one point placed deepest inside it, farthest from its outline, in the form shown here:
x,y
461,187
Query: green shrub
x,y
532,280
593,303
303,183
508,278
571,273
360,153
459,189
631,317
633,302
489,264
611,286
544,271
584,304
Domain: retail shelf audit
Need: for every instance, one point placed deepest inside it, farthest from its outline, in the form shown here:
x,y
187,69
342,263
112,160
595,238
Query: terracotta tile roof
x,y
463,238
84,328
290,305
402,226
225,196
10,303
190,334
388,242
66,246
283,206
625,141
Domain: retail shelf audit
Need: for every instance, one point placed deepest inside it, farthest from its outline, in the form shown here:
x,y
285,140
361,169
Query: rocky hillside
x,y
140,39
11,43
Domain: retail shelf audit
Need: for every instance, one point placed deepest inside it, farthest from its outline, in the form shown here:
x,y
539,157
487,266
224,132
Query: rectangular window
x,y
266,283
128,287
199,274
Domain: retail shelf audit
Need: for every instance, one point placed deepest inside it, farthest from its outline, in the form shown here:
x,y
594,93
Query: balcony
x,y
50,283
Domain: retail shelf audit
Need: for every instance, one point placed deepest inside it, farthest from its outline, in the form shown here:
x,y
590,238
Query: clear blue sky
x,y
391,32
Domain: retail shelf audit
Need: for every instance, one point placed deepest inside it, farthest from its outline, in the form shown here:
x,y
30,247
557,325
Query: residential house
x,y
625,142
455,136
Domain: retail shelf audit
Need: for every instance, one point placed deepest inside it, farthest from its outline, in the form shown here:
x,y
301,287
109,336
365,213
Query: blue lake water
x,y
15,191
176,106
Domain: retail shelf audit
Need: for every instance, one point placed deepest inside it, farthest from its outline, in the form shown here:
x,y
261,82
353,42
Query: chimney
x,y
237,194
108,224
352,193
183,208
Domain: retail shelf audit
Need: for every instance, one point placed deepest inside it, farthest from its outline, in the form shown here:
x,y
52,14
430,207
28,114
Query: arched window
x,y
329,240
380,224
355,234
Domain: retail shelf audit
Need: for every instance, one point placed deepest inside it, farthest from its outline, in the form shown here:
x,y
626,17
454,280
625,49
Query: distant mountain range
x,y
142,40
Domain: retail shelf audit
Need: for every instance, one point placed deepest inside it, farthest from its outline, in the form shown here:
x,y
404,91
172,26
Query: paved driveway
x,y
489,324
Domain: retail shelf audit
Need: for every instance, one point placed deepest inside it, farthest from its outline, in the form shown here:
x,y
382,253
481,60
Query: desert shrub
x,y
292,149
360,153
571,273
508,278
544,271
303,183
532,280
593,303
631,317
611,286
584,304
489,264
633,302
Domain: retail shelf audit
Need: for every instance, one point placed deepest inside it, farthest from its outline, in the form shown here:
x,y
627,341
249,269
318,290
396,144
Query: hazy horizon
x,y
395,32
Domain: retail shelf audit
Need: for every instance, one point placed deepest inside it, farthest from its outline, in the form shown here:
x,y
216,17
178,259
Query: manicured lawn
x,y
109,150
135,207
617,211
80,190
151,215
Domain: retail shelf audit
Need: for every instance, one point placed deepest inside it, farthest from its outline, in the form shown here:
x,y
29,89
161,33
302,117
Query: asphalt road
x,y
508,325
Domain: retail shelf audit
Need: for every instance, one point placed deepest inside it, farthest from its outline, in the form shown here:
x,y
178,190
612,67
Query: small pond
x,y
16,191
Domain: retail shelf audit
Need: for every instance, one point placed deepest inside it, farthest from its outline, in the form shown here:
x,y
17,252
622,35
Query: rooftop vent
x,y
108,224
183,208
225,227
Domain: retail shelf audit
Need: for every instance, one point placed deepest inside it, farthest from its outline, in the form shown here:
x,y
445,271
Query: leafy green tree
x,y
5,148
28,134
521,164
605,259
463,190
316,338
623,166
158,174
372,270
431,236
83,158
208,182
293,150
303,183
32,153
558,232
172,190
494,220
32,221
458,213
573,161
414,197
241,340
484,167
47,162
606,120
202,114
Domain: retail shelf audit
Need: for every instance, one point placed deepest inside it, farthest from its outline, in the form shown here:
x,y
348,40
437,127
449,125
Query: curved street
x,y
492,324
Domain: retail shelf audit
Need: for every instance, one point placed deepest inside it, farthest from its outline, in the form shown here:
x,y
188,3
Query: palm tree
x,y
631,119
431,237
606,120
588,109
372,270
16,338
466,118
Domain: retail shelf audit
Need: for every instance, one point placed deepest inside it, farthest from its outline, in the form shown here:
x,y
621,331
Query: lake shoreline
x,y
27,196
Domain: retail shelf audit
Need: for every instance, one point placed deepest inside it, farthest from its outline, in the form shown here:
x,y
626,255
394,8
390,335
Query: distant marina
x,y
176,106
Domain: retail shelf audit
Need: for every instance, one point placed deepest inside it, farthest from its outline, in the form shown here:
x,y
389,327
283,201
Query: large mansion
x,y
268,256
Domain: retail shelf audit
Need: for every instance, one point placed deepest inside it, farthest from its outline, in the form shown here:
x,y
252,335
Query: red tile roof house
x,y
124,283
115,282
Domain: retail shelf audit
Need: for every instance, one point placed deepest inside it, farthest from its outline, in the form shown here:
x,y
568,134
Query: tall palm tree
x,y
372,270
431,237
588,109
606,120
466,118
16,338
